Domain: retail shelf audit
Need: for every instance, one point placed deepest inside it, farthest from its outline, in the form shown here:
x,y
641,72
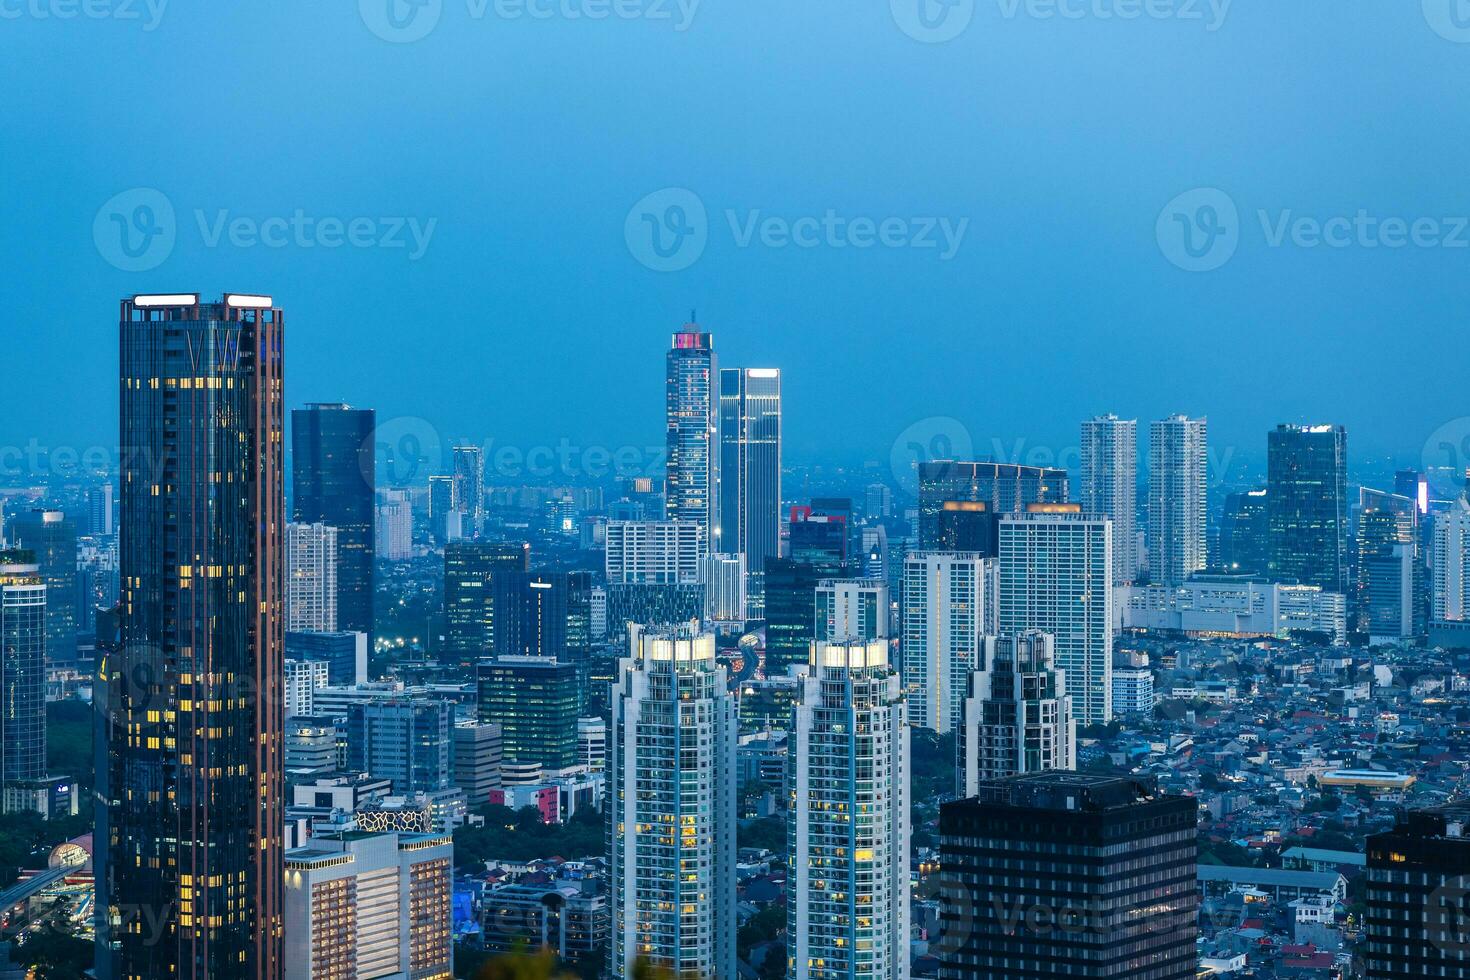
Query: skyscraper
x,y
469,485
1306,502
852,609
1017,714
441,507
189,814
1414,922
653,552
1110,485
848,827
469,596
1064,874
818,551
1178,475
403,740
51,537
311,578
1392,581
22,668
1005,488
99,510
692,429
1451,556
943,623
671,790
536,703
333,476
1056,576
750,471
1245,534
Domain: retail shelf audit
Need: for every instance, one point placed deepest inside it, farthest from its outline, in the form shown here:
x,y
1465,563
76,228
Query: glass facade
x,y
51,537
1306,501
536,702
23,631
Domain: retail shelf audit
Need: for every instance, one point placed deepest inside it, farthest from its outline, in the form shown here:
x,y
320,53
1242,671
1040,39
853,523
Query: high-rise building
x,y
750,471
692,425
395,526
943,622
51,537
1005,488
671,790
369,905
851,609
189,804
1178,481
344,653
1245,535
403,740
536,702
22,668
1056,576
441,509
1110,485
333,476
966,525
1391,594
542,614
1066,874
1451,563
301,680
724,580
469,595
1414,922
592,744
100,510
477,752
653,552
847,914
878,502
1133,691
311,578
469,485
1306,502
1017,713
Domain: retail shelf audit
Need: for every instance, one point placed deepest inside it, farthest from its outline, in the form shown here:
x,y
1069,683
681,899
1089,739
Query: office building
x,y
542,614
653,605
1004,488
671,790
1017,713
311,578
23,629
315,746
1245,535
370,905
536,702
478,752
100,510
1450,557
1110,485
943,623
847,914
1391,592
203,608
878,502
469,486
441,509
967,525
1237,606
470,568
749,520
819,550
1066,874
851,609
345,654
692,474
725,599
1133,691
395,526
333,480
51,537
1307,507
1178,480
653,552
97,583
404,741
592,744
1056,576
568,918
301,681
1414,922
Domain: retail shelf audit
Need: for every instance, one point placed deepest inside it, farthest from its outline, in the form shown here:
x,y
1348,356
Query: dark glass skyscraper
x,y
190,808
535,701
1245,535
469,604
51,537
819,546
22,668
333,459
1306,500
1417,881
1062,874
1005,488
750,472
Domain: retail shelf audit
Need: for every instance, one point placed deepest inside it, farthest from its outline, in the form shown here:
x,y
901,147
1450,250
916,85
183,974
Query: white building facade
x,y
1178,479
311,578
943,621
1110,485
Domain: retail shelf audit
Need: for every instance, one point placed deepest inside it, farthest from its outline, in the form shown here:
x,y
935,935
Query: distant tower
x,y
848,828
469,485
671,789
311,578
1306,503
692,423
51,537
1110,485
1177,487
22,669
750,472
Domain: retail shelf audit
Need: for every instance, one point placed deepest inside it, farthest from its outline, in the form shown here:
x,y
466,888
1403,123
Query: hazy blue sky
x,y
529,317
